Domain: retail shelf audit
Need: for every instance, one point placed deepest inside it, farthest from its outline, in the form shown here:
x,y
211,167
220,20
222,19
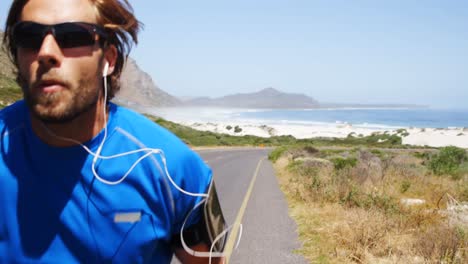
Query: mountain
x,y
6,67
138,89
266,98
9,90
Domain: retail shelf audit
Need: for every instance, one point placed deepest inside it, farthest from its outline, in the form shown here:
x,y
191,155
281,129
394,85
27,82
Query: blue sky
x,y
335,51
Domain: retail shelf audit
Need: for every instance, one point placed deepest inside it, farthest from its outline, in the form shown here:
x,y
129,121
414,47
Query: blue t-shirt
x,y
53,209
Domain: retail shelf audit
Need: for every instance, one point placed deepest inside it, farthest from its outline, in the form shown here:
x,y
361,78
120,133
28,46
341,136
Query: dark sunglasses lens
x,y
28,35
72,35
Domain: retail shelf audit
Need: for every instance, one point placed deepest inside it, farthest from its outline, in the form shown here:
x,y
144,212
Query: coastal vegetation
x,y
9,91
368,205
448,161
195,137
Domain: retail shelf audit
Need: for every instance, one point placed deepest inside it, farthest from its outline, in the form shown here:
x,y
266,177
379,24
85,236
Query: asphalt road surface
x,y
249,194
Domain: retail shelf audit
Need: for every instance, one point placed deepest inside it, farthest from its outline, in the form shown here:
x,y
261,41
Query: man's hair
x,y
116,16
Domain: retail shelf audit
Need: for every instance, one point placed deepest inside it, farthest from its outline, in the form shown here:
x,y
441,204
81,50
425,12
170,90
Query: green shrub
x,y
425,156
295,165
405,185
402,132
316,182
310,149
355,196
376,139
237,129
447,161
228,127
341,163
277,153
387,139
463,192
387,204
352,197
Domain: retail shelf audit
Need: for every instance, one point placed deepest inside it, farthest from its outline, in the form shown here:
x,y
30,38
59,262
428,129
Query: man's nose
x,y
49,54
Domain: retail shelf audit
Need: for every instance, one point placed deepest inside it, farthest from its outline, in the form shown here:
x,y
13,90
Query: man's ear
x,y
110,56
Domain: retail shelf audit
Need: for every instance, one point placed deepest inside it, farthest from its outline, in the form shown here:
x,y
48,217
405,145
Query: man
x,y
66,195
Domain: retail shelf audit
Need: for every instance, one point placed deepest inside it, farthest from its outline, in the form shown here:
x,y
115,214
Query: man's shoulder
x,y
138,130
141,128
13,109
13,115
126,116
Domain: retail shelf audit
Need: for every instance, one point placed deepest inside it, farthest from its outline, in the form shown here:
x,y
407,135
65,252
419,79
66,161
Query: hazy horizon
x,y
366,52
321,103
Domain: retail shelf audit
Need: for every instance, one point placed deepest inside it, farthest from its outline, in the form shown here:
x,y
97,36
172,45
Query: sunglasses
x,y
30,35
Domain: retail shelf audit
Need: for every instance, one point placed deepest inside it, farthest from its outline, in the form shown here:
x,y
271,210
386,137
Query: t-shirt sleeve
x,y
193,176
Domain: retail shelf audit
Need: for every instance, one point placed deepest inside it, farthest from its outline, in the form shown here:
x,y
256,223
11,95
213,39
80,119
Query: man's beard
x,y
62,106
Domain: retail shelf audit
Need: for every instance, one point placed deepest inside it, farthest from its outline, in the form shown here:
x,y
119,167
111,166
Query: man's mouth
x,y
50,86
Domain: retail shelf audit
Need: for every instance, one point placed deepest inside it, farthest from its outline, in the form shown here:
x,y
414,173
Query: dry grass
x,y
354,214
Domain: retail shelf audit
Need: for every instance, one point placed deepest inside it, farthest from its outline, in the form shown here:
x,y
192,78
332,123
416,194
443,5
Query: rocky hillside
x,y
266,98
9,90
6,68
138,89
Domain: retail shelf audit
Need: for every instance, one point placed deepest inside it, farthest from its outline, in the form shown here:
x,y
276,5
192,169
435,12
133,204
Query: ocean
x,y
366,118
369,118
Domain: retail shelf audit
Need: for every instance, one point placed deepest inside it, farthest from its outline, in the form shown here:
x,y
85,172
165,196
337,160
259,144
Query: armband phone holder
x,y
211,230
214,220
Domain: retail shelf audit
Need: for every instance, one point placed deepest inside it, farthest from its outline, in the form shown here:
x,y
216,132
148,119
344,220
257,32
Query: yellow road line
x,y
235,229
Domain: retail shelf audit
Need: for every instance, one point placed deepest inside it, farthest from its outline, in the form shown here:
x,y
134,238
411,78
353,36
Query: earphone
x,y
106,69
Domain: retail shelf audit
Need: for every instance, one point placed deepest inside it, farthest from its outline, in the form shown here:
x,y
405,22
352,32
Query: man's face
x,y
60,84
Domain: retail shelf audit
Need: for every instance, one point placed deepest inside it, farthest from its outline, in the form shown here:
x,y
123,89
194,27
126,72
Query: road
x,y
249,193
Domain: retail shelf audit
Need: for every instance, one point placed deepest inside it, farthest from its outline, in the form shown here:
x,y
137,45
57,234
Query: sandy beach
x,y
434,137
226,120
